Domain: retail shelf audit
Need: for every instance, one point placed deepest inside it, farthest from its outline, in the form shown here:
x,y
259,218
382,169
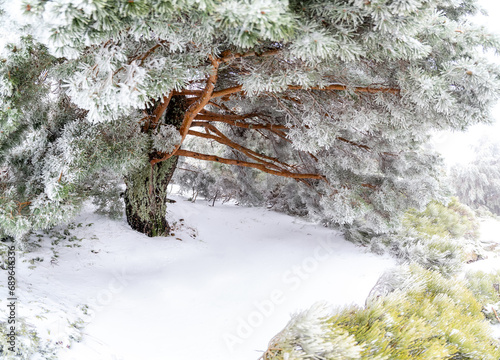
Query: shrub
x,y
486,288
440,238
27,343
412,313
454,220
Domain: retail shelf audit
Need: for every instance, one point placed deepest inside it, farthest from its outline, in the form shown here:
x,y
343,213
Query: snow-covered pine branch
x,y
347,91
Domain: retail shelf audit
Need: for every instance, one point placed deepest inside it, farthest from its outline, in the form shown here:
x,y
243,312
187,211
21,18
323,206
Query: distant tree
x,y
338,96
477,183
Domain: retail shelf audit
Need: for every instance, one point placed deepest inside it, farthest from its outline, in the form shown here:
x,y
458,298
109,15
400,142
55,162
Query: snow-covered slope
x,y
220,288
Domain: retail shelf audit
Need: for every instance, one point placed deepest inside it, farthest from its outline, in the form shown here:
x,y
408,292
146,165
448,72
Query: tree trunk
x,y
146,198
146,194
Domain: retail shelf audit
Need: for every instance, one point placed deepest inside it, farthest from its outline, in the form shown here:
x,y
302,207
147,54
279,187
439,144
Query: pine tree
x,y
337,96
478,183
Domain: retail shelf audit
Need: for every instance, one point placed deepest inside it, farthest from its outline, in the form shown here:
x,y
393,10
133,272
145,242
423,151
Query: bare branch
x,y
336,87
365,147
228,55
195,108
159,111
225,141
261,167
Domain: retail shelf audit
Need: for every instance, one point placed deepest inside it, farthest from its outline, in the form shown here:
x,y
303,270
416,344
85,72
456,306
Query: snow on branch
x,y
261,167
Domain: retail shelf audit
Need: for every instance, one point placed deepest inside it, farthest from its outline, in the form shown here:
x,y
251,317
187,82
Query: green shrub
x,y
419,315
440,238
443,255
27,342
454,220
486,288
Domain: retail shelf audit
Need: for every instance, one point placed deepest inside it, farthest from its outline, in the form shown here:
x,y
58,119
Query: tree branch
x,y
234,146
210,116
140,57
160,110
336,87
496,315
188,92
236,123
223,139
227,55
261,167
367,148
195,108
227,91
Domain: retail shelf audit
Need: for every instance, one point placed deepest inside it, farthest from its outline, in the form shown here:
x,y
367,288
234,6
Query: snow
x,y
220,288
490,237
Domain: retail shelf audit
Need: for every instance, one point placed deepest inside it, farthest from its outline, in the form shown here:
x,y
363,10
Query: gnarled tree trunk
x,y
146,194
146,198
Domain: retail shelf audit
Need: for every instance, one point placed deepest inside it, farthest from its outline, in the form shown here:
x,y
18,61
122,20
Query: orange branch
x,y
367,148
337,87
250,153
261,167
496,315
227,55
195,108
238,124
160,109
209,116
227,91
344,87
140,57
225,141
149,52
188,92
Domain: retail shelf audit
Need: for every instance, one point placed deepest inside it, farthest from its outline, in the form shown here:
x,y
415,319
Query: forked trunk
x,y
146,198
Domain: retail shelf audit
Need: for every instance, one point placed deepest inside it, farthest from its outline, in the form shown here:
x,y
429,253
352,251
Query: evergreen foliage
x,y
27,342
477,183
440,238
412,314
485,287
454,220
339,96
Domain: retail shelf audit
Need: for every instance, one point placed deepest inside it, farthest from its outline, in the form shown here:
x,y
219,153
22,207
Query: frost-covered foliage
x,y
51,155
412,313
477,183
440,238
454,220
486,288
166,138
346,91
28,343
309,335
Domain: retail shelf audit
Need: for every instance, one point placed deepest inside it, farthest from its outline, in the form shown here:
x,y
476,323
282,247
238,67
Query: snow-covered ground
x,y
220,288
490,236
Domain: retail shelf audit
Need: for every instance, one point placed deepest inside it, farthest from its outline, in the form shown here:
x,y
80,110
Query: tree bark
x,y
146,198
146,193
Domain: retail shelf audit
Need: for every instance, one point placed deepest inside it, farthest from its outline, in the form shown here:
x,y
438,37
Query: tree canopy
x,y
478,183
337,96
